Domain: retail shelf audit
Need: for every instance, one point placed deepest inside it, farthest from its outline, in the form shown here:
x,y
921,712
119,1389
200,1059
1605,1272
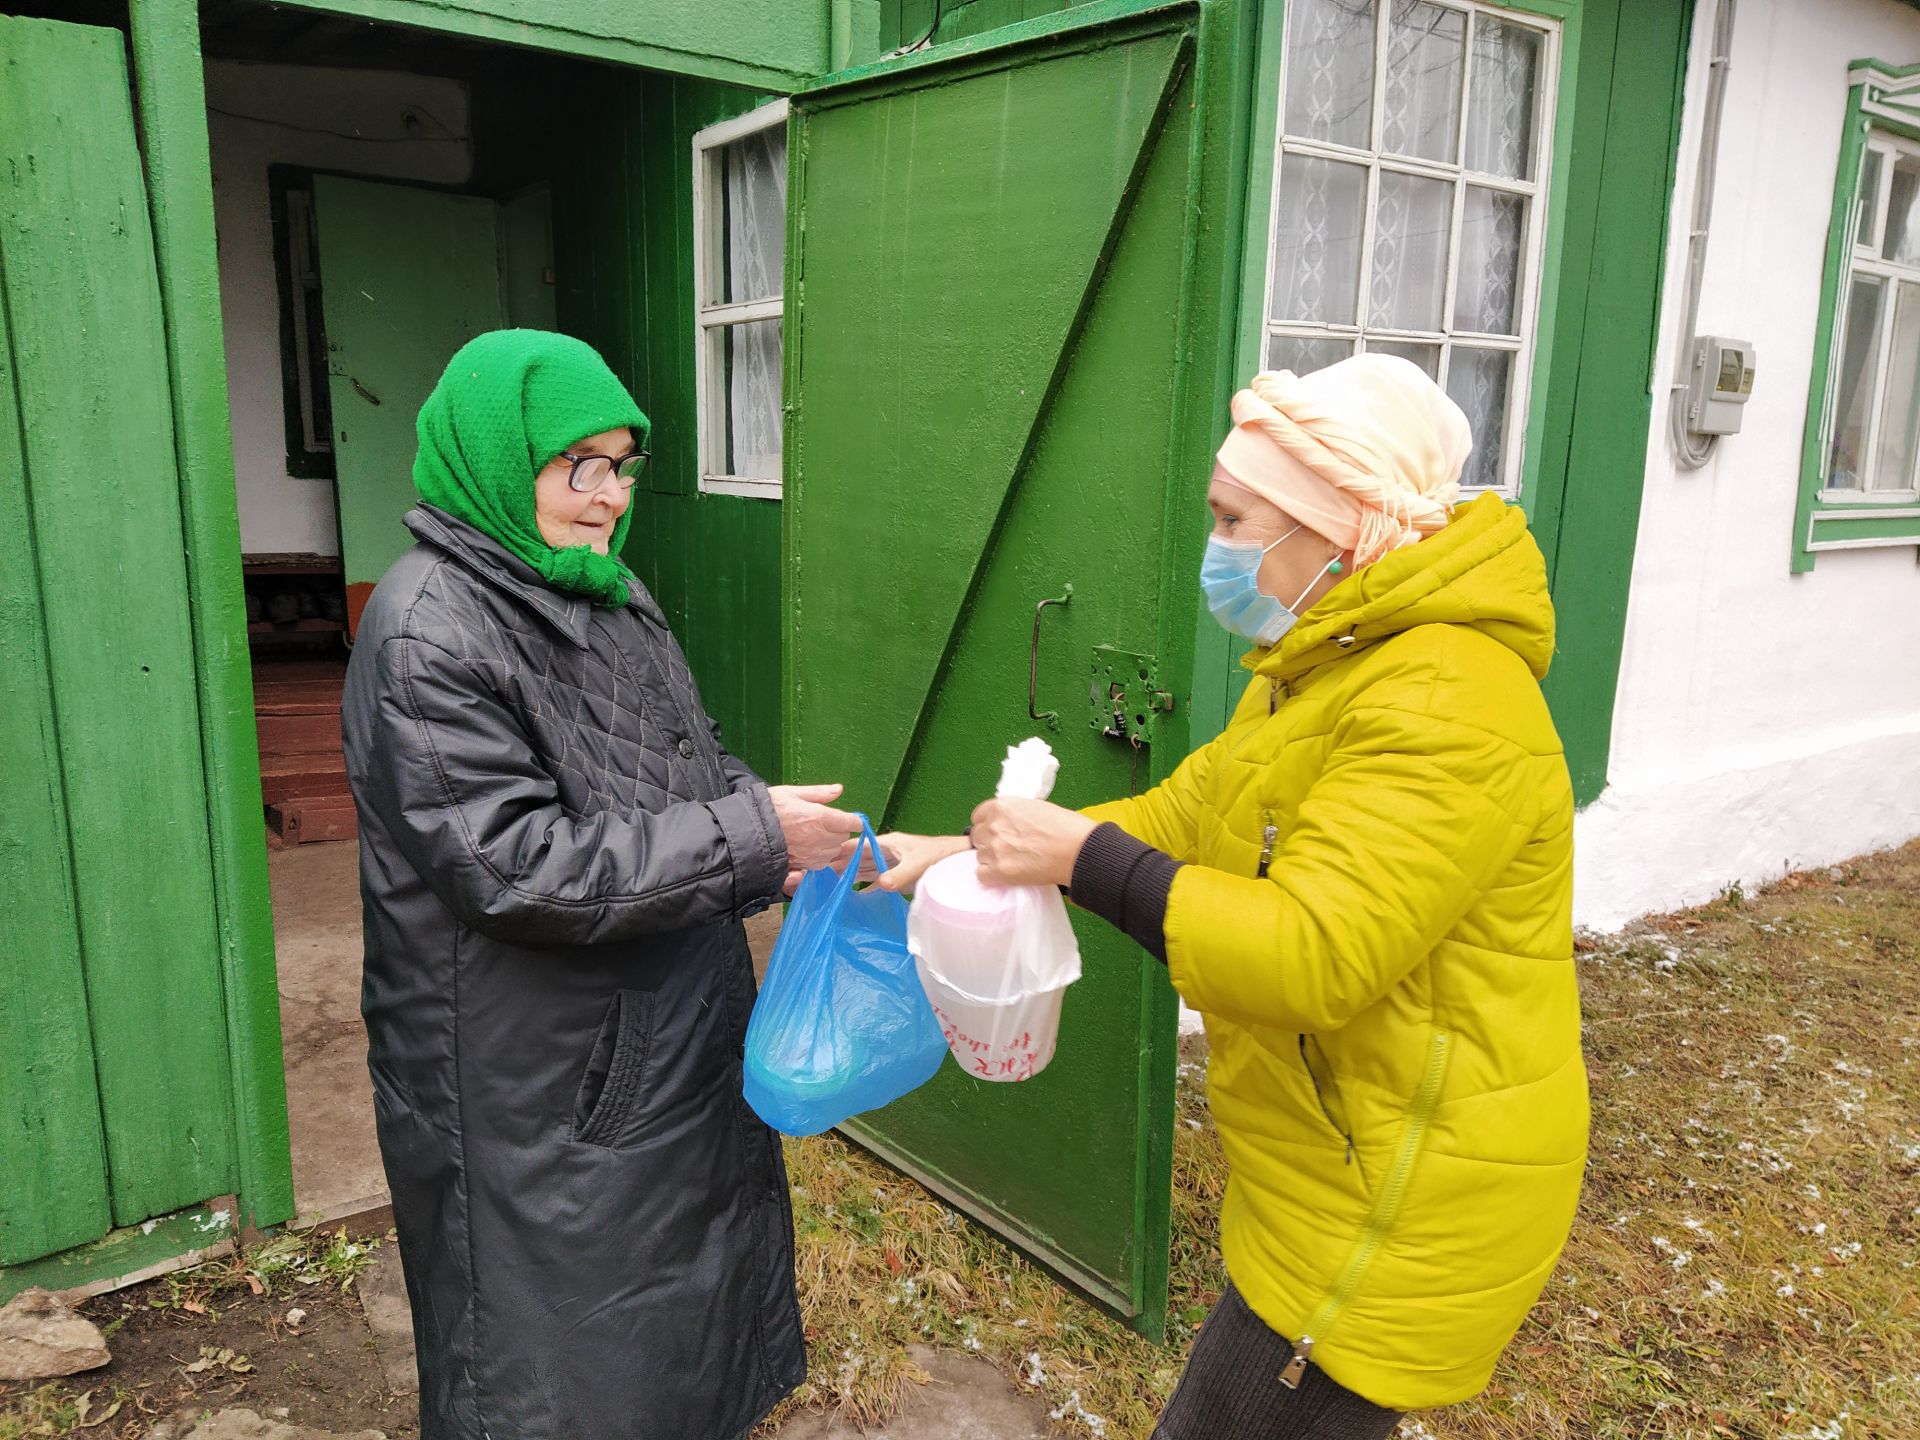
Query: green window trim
x,y
1218,678
1882,99
1263,179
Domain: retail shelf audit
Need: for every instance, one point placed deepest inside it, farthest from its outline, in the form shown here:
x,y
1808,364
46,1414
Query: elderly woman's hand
x,y
1028,842
816,834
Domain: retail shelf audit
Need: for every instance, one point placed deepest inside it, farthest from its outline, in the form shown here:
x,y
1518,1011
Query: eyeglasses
x,y
590,472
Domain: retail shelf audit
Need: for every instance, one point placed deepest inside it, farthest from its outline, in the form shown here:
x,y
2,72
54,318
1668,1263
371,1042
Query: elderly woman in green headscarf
x,y
556,855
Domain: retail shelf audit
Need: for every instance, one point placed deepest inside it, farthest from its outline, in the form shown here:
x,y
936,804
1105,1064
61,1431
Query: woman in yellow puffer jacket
x,y
1365,887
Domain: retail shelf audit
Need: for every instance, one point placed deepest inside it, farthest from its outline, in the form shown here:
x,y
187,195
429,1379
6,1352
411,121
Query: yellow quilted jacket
x,y
1375,921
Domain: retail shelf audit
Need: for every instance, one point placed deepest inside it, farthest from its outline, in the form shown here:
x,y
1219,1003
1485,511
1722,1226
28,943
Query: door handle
x,y
1051,717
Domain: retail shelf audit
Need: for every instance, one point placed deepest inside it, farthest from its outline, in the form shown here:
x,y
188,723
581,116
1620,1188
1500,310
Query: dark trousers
x,y
1231,1389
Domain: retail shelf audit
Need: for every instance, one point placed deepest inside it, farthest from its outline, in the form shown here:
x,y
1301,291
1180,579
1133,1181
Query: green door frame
x,y
170,101
665,35
1615,148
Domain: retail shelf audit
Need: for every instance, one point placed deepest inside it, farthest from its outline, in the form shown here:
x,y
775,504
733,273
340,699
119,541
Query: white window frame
x,y
1526,303
711,321
1863,258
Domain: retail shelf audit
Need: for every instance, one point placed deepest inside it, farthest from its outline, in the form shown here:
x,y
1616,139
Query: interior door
x,y
991,302
407,276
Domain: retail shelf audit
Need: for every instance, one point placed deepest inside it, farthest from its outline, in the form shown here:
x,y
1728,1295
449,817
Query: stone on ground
x,y
41,1338
965,1399
198,1424
383,1296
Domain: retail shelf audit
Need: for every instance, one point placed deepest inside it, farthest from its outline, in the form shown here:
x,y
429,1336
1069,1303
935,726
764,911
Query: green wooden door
x,y
992,304
115,1093
407,276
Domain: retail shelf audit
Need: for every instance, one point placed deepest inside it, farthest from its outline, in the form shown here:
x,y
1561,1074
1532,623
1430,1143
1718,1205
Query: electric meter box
x,y
1718,384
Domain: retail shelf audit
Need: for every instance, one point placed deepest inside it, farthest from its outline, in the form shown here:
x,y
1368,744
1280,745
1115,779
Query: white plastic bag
x,y
996,961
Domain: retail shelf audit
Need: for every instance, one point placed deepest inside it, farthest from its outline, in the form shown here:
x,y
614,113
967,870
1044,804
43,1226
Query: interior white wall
x,y
1766,721
373,123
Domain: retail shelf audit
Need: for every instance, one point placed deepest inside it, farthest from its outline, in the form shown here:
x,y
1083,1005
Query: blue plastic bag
x,y
842,1025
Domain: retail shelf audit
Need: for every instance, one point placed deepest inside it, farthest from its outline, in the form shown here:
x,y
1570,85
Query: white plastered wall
x,y
378,124
1766,721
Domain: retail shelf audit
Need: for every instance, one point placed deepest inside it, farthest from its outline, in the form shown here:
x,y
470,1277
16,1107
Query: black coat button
x,y
686,749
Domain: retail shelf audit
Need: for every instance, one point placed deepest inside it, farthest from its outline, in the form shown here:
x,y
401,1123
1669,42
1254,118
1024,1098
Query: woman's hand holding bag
x,y
842,1025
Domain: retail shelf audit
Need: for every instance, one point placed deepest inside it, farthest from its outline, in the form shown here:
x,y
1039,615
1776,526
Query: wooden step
x,y
296,734
297,697
305,819
267,672
315,774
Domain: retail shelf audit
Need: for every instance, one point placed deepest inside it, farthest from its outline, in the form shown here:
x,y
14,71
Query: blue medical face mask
x,y
1229,578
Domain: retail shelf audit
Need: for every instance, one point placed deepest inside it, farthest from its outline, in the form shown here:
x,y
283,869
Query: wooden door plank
x,y
51,1147
91,375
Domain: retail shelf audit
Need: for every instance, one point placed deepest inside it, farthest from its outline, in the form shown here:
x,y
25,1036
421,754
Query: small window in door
x,y
740,249
1409,204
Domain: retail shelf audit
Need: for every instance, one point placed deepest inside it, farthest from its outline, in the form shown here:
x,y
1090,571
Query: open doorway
x,y
382,195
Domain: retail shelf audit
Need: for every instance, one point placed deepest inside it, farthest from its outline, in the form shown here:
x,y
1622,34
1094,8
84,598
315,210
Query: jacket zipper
x,y
1267,838
1320,1095
1386,1210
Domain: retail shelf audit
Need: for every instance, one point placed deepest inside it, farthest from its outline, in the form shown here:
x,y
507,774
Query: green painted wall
x,y
623,254
755,42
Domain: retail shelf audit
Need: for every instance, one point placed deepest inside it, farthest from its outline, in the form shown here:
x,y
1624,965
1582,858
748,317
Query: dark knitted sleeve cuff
x,y
1125,882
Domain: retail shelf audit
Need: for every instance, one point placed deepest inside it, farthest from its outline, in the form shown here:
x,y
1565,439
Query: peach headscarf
x,y
1366,452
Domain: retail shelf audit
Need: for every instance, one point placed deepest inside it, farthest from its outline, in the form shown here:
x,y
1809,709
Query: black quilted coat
x,y
555,856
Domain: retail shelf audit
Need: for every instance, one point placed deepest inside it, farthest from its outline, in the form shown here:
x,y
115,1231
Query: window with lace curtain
x,y
1860,453
740,249
1409,200
1875,444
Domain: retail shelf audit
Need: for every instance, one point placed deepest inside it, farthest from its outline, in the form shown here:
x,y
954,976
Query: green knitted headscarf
x,y
509,402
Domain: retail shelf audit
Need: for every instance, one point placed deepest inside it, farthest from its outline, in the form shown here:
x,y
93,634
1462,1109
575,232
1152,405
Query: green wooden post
x,y
171,101
1633,73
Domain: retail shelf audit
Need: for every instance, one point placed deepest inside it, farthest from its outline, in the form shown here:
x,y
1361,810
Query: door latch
x,y
1124,698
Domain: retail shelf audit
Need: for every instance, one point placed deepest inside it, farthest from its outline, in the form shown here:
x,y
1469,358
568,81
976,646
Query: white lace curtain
x,y
1331,65
755,174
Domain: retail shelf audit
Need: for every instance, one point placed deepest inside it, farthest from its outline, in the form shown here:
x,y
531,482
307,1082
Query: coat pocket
x,y
610,1089
1326,1091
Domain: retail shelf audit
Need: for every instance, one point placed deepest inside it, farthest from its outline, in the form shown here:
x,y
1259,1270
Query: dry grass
x,y
1744,1262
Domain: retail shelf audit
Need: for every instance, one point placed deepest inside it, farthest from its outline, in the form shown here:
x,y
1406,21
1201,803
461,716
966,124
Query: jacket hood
x,y
1484,570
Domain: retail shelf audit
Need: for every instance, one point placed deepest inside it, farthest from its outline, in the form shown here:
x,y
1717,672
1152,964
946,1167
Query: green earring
x,y
1336,568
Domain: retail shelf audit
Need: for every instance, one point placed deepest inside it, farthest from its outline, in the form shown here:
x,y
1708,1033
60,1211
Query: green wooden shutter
x,y
104,855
